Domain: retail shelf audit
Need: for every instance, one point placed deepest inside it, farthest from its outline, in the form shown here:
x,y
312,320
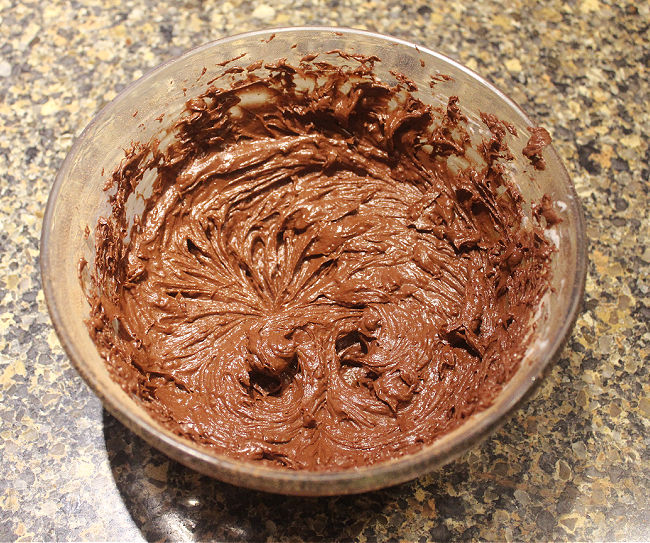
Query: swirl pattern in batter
x,y
326,274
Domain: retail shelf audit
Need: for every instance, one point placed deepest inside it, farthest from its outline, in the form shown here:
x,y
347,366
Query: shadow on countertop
x,y
520,483
168,501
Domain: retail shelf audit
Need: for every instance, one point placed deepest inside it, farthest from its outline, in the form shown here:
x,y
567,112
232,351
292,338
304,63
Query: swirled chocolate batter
x,y
327,274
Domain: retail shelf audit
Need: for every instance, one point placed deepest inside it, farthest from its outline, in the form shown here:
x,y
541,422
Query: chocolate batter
x,y
325,275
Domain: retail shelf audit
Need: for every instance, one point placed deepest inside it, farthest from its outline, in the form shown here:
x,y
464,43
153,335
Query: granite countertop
x,y
573,463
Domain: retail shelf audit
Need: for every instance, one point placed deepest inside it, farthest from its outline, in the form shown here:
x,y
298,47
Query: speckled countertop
x,y
573,463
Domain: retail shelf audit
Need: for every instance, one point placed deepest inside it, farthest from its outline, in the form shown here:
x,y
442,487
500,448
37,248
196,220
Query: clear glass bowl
x,y
77,200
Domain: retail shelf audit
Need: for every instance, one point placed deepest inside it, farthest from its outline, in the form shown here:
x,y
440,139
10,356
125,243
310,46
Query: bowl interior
x,y
78,199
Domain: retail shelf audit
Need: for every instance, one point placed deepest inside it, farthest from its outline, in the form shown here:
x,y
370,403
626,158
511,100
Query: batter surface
x,y
327,274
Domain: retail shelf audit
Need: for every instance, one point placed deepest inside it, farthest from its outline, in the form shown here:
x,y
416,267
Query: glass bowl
x,y
77,200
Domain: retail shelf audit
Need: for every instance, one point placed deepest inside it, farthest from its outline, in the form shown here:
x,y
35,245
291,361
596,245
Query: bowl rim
x,y
280,480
